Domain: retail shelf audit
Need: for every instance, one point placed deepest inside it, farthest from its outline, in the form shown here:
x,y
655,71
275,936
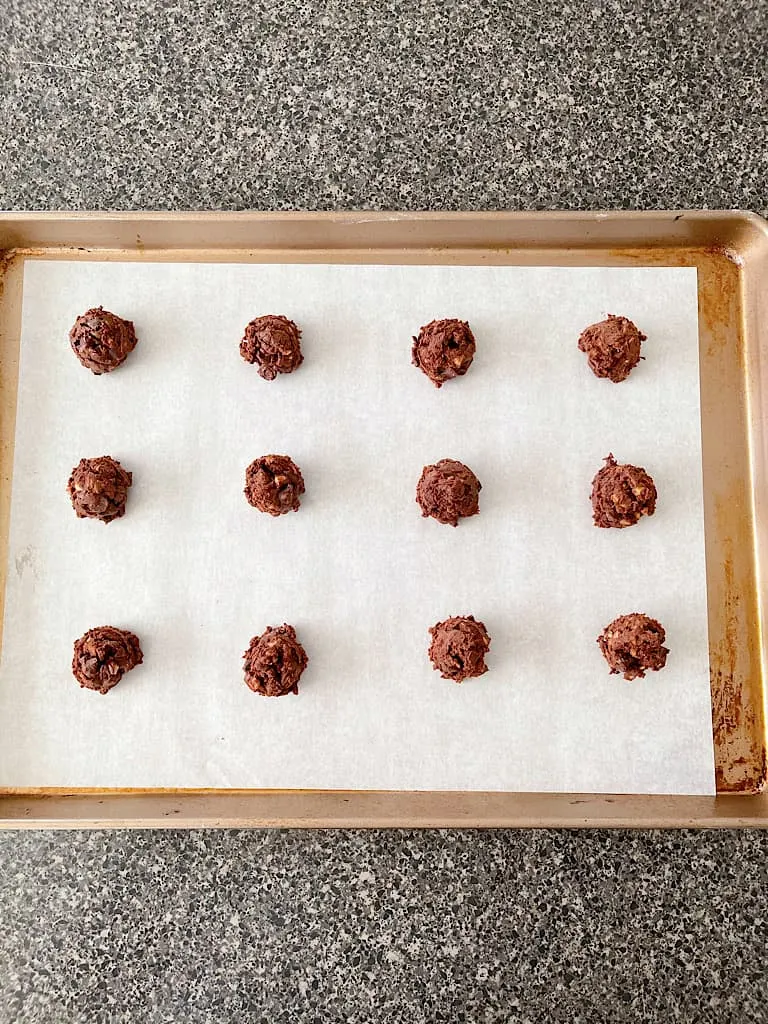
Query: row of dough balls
x,y
447,491
274,661
443,349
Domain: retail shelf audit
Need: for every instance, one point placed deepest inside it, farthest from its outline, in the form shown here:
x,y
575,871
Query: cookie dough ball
x,y
444,349
633,644
612,347
98,489
101,340
103,655
274,484
448,491
622,495
458,648
274,662
274,344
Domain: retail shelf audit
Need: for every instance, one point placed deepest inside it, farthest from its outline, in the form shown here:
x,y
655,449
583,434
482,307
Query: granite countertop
x,y
470,105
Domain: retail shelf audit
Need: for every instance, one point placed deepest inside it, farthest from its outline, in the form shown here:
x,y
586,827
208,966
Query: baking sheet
x,y
196,572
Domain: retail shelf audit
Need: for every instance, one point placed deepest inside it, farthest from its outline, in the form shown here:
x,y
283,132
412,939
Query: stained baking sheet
x,y
196,572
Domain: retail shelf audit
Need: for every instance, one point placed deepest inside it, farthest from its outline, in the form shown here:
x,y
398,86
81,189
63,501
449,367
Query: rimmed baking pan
x,y
730,253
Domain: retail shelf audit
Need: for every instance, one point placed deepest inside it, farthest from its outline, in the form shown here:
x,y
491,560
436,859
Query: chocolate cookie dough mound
x,y
622,495
101,340
633,645
274,484
612,347
274,344
458,647
98,489
443,349
103,655
274,662
448,491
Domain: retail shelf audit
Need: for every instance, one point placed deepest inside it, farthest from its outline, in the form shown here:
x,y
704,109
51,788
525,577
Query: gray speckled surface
x,y
228,104
422,103
384,926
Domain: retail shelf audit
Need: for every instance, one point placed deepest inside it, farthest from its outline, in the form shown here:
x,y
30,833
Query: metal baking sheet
x,y
729,252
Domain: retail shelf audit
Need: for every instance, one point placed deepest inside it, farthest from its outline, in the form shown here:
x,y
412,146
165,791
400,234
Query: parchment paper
x,y
196,572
